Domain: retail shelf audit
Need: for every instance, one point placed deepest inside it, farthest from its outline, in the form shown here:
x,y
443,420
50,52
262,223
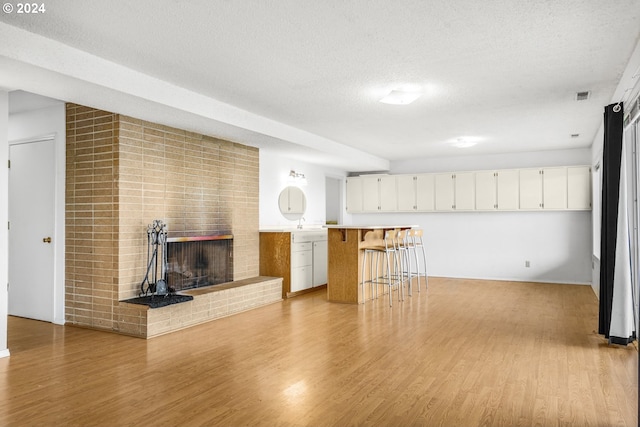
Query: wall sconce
x,y
297,178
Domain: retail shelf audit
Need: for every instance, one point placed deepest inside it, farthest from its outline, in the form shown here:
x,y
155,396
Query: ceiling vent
x,y
582,96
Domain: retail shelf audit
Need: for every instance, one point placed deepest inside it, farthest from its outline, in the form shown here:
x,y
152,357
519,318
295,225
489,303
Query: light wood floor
x,y
465,353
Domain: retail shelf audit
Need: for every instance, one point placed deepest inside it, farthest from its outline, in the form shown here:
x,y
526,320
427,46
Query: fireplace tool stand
x,y
156,253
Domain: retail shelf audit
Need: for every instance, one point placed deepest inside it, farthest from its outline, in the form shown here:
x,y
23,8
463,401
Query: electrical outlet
x,y
527,264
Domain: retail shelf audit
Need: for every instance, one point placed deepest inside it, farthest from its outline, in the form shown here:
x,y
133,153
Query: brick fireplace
x,y
122,173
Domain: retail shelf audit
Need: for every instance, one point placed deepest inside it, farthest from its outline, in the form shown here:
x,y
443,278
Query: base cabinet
x,y
299,257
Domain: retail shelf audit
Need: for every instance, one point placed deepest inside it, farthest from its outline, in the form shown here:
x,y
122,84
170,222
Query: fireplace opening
x,y
193,262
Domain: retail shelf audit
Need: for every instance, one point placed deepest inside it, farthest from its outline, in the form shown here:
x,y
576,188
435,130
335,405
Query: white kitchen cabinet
x,y
370,194
406,192
554,188
497,190
508,189
379,193
301,266
544,188
465,191
354,194
486,191
530,189
320,262
388,193
425,192
445,192
416,192
579,187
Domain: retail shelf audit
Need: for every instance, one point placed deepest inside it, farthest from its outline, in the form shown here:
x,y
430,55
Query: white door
x,y
31,219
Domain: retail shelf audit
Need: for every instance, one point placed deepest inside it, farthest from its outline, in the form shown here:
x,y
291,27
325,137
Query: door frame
x,y
58,236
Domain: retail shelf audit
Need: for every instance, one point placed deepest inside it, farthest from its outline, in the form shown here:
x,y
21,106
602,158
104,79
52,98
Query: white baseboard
x,y
4,353
519,279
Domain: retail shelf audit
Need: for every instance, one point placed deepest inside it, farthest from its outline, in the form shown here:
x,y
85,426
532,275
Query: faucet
x,y
300,223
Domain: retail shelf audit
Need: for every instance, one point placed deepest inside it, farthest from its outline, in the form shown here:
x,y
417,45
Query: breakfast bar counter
x,y
345,244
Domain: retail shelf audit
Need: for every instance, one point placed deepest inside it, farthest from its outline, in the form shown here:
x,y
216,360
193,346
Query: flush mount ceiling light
x,y
400,97
464,141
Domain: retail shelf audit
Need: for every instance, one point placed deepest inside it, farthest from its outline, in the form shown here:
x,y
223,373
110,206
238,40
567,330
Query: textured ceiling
x,y
504,71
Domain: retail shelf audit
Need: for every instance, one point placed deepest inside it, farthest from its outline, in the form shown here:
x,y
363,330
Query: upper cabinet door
x,y
445,199
370,194
388,193
354,194
579,187
406,192
554,188
426,192
465,191
508,192
486,191
530,189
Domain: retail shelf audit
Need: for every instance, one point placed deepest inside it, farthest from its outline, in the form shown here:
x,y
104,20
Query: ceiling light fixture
x,y
464,142
400,97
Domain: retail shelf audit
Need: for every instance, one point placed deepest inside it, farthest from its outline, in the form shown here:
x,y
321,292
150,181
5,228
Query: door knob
x,y
46,240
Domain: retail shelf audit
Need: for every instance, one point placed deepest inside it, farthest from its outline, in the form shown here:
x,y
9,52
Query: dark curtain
x,y
611,158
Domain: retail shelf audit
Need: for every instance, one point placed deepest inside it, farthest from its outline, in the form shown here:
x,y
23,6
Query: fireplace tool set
x,y
156,253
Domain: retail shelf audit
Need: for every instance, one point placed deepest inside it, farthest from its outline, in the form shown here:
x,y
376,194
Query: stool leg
x,y
415,254
362,280
426,278
371,277
389,278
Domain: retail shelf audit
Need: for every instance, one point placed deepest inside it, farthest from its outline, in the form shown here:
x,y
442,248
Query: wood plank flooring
x,y
465,353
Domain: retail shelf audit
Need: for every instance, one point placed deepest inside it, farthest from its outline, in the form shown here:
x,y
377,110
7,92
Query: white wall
x,y
31,125
495,245
4,218
274,172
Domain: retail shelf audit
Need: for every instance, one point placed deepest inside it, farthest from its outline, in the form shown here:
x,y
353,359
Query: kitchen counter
x,y
345,260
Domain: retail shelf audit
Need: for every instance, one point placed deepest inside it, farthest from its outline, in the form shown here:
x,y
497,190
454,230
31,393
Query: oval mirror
x,y
292,203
